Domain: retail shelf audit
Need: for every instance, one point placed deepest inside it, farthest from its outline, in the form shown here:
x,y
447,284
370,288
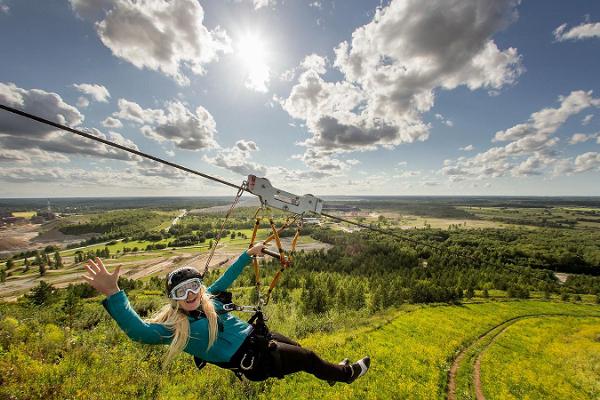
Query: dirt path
x,y
489,336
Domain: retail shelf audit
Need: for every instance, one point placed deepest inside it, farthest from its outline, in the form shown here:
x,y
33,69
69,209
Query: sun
x,y
253,56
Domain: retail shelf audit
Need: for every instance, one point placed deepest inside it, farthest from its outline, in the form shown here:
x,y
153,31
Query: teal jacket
x,y
229,339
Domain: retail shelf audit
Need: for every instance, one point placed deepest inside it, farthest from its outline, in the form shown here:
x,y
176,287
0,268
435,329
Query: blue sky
x,y
444,97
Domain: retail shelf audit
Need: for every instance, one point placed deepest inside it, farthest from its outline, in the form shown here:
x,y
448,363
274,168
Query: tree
x,y
57,260
10,264
470,293
42,269
2,275
42,294
70,305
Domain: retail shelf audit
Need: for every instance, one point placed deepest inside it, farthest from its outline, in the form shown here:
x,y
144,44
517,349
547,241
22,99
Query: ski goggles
x,y
180,291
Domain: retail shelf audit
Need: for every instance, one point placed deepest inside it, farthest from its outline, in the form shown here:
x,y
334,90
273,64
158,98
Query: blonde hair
x,y
176,320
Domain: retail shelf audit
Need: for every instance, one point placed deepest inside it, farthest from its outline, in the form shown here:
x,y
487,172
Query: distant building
x,y
12,220
46,215
36,219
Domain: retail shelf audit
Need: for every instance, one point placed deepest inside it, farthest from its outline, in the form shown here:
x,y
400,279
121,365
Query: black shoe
x,y
345,361
359,368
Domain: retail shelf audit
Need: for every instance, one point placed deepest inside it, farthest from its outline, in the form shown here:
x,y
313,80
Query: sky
x,y
402,97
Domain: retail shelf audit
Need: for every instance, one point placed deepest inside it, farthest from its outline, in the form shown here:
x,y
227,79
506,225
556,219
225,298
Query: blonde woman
x,y
196,322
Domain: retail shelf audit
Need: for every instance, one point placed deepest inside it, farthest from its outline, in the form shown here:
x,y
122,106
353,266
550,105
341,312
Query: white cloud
x,y
82,102
445,121
548,120
323,161
582,137
131,111
468,148
393,65
531,147
18,133
288,75
258,4
112,123
579,32
96,92
78,178
314,62
30,156
186,129
587,119
161,35
316,4
3,7
237,159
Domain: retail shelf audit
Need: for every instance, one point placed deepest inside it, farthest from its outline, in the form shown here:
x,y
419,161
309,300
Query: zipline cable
x,y
240,188
112,144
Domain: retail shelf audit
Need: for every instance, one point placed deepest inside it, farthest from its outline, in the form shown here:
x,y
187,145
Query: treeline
x,y
117,224
361,271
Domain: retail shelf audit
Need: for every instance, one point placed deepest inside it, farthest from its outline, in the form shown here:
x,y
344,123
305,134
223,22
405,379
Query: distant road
x,y
176,220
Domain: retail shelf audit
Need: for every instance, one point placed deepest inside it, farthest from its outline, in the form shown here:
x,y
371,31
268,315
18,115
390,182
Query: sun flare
x,y
253,55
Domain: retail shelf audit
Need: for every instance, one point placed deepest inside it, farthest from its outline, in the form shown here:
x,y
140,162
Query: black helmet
x,y
179,275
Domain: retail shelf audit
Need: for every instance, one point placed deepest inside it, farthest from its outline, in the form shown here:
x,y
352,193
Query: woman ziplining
x,y
197,322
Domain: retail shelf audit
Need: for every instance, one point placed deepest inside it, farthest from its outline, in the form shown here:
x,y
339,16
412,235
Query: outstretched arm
x,y
235,269
117,305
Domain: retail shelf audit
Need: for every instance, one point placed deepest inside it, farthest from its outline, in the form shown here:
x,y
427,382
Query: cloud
x,y
579,32
186,129
314,62
30,156
323,161
445,121
131,111
3,7
82,102
112,123
23,134
237,159
288,75
468,148
582,137
161,35
76,177
548,120
258,4
392,67
96,92
587,119
583,163
531,147
316,4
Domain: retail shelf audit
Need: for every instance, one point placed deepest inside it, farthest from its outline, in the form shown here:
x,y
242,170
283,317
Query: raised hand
x,y
256,250
100,279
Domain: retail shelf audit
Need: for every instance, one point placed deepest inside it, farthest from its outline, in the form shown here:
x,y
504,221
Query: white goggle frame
x,y
181,291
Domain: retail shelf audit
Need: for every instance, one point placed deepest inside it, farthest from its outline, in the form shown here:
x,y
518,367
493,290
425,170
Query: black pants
x,y
285,356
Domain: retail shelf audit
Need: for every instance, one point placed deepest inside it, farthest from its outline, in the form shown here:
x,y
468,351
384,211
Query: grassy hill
x,y
412,349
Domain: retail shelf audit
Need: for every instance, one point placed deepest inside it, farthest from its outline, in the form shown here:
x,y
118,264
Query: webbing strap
x,y
283,260
229,212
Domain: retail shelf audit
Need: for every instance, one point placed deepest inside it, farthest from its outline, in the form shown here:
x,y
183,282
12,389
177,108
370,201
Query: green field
x,y
24,214
411,350
544,357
